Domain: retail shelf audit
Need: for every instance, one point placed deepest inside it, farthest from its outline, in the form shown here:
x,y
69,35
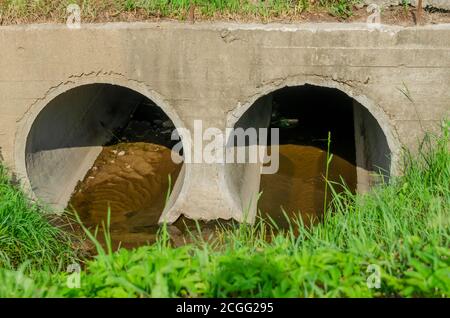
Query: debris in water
x,y
167,124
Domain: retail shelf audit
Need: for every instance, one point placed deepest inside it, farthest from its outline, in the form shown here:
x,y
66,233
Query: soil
x,y
394,15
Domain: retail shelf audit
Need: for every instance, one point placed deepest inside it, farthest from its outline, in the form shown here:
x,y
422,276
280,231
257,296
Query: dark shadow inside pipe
x,y
305,117
98,147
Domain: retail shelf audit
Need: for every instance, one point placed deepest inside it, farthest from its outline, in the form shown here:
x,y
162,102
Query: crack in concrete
x,y
48,92
70,81
277,83
352,83
228,37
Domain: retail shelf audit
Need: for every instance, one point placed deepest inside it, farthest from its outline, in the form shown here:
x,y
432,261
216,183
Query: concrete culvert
x,y
304,116
101,146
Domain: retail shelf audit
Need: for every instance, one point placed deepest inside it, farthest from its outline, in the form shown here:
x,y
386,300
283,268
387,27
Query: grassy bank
x,y
27,237
401,229
30,11
284,11
26,10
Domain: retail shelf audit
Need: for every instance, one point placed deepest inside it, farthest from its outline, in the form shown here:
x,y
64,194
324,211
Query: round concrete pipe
x,y
69,133
243,176
358,143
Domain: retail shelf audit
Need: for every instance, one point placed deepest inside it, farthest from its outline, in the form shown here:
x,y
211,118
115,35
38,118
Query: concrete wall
x,y
215,72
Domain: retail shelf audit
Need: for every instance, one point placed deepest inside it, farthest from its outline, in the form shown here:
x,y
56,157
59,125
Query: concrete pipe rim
x,y
25,125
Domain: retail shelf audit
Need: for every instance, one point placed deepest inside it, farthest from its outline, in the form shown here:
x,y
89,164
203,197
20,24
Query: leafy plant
x,y
27,235
402,227
340,8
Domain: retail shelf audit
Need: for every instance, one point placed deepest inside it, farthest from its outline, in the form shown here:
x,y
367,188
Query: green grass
x,y
25,11
27,237
401,227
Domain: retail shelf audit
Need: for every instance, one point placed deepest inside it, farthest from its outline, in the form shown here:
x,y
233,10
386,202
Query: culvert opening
x,y
304,116
103,146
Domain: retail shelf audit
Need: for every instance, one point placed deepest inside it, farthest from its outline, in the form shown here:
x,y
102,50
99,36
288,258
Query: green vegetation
x,y
402,228
27,237
20,11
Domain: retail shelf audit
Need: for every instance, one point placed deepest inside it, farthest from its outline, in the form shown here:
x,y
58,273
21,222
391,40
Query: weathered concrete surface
x,y
243,179
371,146
215,72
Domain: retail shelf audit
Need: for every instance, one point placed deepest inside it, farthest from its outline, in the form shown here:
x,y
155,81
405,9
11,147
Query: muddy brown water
x,y
130,176
298,188
131,179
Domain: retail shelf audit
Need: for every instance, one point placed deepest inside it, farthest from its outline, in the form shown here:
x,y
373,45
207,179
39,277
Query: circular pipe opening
x,y
101,146
303,116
